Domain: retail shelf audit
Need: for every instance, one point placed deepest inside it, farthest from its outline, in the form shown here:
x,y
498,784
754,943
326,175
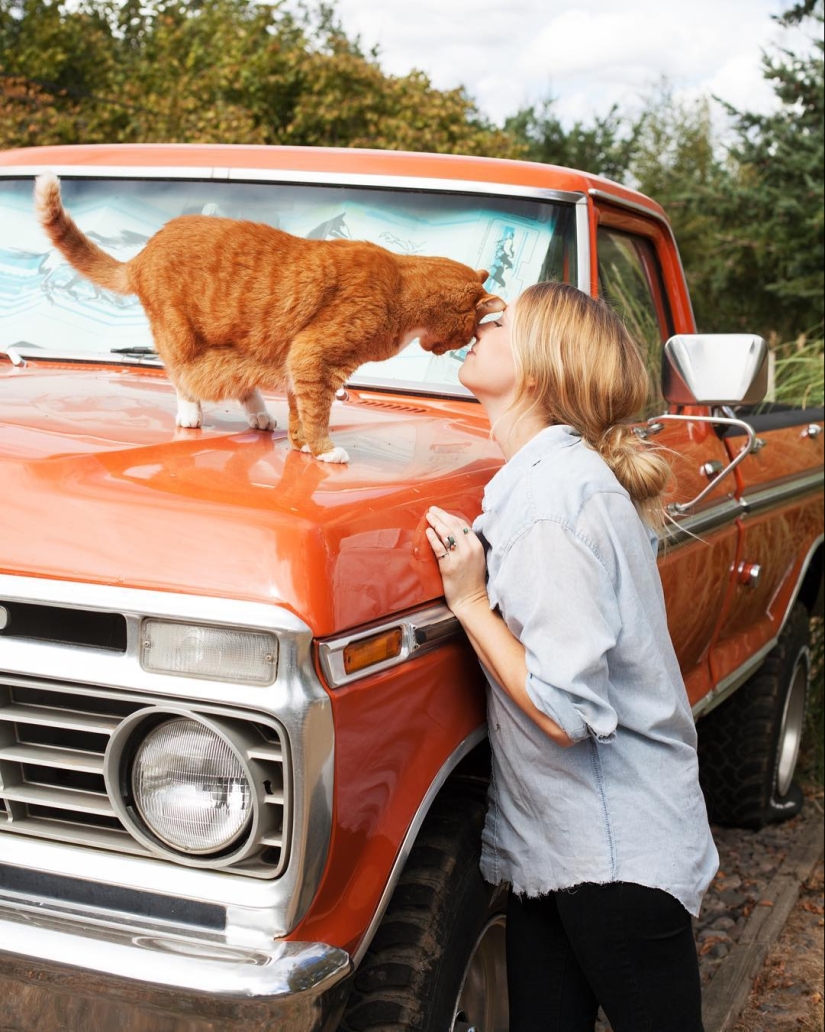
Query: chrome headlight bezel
x,y
119,761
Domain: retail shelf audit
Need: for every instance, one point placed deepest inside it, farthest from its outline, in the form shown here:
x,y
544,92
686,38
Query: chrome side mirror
x,y
714,370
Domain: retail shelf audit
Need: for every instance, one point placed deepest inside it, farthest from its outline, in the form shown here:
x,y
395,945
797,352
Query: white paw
x,y
189,414
336,455
261,420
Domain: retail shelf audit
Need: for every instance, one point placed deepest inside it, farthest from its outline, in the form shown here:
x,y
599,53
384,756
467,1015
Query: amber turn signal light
x,y
375,649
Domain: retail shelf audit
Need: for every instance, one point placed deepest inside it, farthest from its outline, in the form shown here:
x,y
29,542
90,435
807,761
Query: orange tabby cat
x,y
235,306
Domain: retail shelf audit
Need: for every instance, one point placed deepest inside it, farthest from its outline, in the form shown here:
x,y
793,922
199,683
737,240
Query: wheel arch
x,y
470,760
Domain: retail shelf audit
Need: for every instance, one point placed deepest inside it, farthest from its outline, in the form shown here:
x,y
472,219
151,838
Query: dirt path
x,y
788,992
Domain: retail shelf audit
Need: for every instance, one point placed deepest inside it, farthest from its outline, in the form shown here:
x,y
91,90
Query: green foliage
x,y
605,148
232,71
780,161
800,372
677,161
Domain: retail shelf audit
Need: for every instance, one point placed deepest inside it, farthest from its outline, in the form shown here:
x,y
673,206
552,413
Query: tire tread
x,y
737,740
390,985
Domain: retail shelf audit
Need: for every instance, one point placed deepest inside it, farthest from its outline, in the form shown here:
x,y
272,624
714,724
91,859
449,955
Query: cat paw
x,y
189,414
336,455
261,421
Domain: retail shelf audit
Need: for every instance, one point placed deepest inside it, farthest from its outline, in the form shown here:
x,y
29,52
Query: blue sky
x,y
587,54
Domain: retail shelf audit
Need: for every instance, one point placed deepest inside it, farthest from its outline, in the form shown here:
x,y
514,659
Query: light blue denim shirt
x,y
572,570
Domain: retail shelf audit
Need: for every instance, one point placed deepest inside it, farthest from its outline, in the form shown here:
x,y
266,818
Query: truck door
x,y
639,273
780,487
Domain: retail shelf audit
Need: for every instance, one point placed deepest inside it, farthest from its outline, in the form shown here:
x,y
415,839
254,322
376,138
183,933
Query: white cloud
x,y
588,55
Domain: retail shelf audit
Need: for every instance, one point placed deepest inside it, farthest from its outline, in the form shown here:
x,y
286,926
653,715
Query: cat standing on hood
x,y
239,306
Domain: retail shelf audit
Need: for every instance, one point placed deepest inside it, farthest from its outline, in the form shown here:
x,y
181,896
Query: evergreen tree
x,y
773,213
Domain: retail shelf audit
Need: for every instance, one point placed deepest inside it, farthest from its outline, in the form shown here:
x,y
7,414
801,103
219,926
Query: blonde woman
x,y
595,817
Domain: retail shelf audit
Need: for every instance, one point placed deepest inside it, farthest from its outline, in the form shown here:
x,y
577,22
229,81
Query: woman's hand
x,y
463,568
461,560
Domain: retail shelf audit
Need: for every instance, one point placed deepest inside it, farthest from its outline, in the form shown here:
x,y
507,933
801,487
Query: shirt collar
x,y
547,441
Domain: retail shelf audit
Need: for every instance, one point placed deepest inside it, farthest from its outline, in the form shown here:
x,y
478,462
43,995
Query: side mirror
x,y
715,369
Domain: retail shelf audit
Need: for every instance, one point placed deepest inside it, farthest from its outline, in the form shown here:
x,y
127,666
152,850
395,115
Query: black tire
x,y
436,963
749,744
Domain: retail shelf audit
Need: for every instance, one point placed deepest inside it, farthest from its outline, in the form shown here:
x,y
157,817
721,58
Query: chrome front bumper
x,y
60,972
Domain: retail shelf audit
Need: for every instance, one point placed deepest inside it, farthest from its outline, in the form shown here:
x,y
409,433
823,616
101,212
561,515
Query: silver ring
x,y
440,557
450,542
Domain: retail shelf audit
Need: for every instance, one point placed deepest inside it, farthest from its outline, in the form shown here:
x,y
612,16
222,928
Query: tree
x,y
216,71
606,147
679,160
779,189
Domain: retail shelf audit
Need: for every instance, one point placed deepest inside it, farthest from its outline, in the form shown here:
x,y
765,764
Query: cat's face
x,y
456,321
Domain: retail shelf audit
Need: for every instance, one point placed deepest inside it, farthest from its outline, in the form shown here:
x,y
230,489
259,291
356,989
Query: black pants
x,y
625,947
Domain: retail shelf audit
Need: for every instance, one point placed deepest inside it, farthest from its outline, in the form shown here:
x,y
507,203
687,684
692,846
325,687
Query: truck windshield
x,y
49,309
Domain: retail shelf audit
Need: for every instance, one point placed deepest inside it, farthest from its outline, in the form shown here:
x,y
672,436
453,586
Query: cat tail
x,y
78,250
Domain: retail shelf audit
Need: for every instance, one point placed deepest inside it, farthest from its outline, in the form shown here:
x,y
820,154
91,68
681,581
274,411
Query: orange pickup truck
x,y
243,755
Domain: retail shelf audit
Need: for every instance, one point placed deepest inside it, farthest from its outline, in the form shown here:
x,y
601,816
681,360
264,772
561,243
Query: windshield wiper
x,y
134,351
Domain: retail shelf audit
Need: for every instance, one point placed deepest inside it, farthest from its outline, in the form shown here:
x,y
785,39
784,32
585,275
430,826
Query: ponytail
x,y
641,470
577,364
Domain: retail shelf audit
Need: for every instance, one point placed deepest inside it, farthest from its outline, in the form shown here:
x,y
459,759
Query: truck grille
x,y
53,738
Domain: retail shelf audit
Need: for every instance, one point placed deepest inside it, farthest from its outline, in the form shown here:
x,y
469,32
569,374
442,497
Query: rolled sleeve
x,y
557,598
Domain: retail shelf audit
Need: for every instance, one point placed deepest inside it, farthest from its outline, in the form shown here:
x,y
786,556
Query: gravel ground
x,y
748,860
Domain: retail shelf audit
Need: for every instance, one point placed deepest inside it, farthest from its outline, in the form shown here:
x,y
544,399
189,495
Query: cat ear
x,y
482,275
489,303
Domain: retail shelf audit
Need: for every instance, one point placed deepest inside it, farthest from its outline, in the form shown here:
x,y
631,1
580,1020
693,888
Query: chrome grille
x,y
53,738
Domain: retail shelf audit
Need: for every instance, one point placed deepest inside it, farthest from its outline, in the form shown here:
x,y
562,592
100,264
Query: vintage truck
x,y
243,755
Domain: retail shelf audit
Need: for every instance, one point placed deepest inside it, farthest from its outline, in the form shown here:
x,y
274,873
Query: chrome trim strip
x,y
452,761
583,271
737,677
420,632
728,685
679,533
268,175
782,491
674,534
297,700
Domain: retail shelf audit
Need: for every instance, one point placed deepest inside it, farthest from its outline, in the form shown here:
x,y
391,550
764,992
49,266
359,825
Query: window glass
x,y
630,279
48,308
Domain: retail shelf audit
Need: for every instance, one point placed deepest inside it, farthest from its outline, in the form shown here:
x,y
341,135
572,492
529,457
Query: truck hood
x,y
98,485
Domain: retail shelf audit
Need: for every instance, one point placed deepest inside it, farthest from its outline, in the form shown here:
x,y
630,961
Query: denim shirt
x,y
572,570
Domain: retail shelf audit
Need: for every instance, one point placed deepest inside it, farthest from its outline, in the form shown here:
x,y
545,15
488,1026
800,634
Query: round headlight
x,y
190,788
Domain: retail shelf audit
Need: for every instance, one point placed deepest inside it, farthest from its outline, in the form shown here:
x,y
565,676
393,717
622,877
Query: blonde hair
x,y
577,364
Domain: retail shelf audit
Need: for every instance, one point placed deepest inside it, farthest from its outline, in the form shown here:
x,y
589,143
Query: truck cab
x,y
243,754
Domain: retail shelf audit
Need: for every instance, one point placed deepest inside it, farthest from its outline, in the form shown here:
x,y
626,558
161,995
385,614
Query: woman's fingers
x,y
451,529
437,545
